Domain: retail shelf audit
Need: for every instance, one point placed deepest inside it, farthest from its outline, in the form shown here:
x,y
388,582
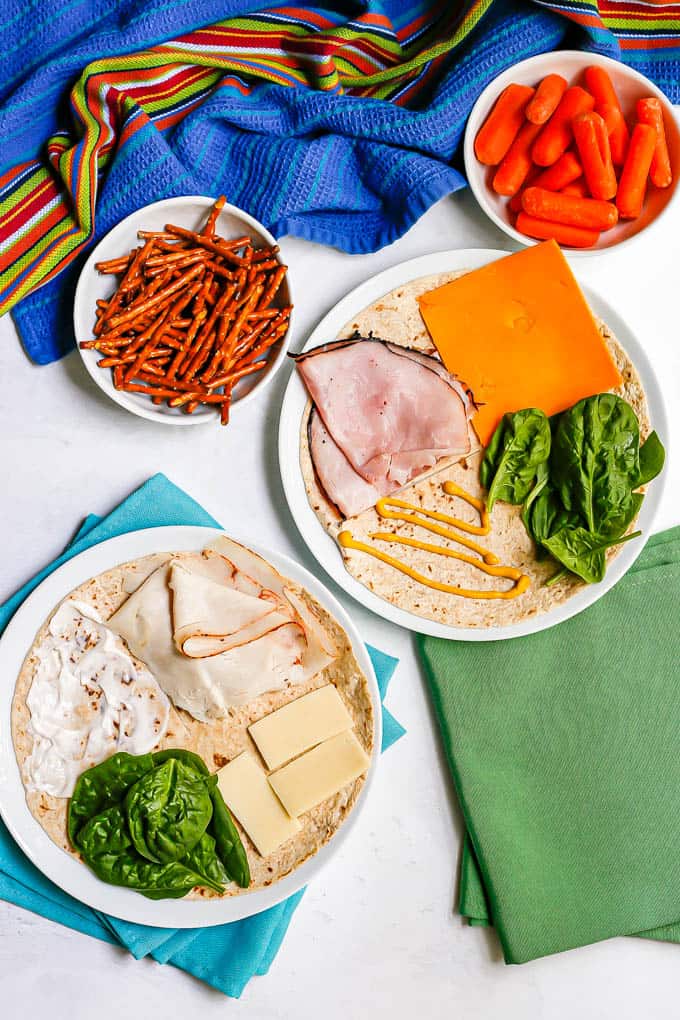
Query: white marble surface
x,y
377,935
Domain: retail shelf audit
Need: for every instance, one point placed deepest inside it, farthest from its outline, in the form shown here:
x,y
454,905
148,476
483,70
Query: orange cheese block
x,y
519,333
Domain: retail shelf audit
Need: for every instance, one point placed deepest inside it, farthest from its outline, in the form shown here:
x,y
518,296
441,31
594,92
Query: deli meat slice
x,y
342,484
386,414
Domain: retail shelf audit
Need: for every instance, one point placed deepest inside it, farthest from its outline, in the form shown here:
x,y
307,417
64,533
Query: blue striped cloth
x,y
350,172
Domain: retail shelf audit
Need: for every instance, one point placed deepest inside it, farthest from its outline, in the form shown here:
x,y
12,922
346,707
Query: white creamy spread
x,y
87,701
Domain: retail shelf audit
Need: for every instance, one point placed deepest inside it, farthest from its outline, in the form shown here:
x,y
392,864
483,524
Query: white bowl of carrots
x,y
573,146
184,310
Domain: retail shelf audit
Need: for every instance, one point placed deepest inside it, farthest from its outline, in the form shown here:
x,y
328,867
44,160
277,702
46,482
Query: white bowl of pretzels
x,y
184,310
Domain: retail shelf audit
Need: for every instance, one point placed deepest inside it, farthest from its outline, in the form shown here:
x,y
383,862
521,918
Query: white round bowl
x,y
188,211
630,86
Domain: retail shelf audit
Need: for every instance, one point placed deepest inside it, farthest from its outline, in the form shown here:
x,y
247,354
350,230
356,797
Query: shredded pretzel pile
x,y
193,313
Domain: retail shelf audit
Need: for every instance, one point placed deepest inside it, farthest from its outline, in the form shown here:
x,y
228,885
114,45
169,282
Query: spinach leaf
x,y
168,811
204,860
104,785
652,458
176,813
546,515
594,462
542,479
108,850
188,758
229,845
518,447
582,552
230,849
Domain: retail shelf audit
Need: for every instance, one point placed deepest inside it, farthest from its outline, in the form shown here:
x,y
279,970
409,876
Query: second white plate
x,y
324,547
68,873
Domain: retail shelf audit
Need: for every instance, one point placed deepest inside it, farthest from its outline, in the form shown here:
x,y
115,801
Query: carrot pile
x,y
567,160
192,314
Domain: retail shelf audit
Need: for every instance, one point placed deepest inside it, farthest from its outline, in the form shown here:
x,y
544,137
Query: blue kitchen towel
x,y
225,956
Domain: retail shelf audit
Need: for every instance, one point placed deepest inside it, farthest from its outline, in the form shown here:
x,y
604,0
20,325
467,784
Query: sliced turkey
x,y
209,618
219,631
387,414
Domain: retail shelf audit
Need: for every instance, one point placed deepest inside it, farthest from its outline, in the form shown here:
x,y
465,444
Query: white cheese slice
x,y
299,725
319,773
248,795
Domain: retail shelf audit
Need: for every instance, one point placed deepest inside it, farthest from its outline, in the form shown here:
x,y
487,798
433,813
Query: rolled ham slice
x,y
386,414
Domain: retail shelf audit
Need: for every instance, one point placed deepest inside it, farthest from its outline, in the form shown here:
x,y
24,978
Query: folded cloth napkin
x,y
564,752
228,955
340,123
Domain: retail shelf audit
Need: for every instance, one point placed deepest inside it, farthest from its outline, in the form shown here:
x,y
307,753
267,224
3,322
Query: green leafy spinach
x,y
156,823
168,811
580,500
518,448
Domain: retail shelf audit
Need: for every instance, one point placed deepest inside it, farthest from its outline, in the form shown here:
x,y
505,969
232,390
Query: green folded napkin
x,y
565,752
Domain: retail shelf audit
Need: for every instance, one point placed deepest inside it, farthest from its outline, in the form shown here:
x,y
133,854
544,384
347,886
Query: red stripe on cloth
x,y
17,217
40,229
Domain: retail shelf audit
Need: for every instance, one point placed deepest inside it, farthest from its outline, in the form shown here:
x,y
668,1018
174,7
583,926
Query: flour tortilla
x,y
216,741
396,317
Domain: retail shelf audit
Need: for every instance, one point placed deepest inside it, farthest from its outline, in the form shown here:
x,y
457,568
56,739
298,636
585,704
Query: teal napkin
x,y
225,956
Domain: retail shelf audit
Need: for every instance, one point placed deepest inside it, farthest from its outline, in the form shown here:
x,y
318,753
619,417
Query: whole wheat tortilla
x,y
216,741
396,317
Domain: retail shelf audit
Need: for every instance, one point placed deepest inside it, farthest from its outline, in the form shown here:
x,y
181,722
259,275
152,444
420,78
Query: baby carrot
x,y
517,163
555,178
617,129
649,111
591,213
544,102
600,86
563,172
633,180
542,230
592,142
577,190
498,131
556,134
515,203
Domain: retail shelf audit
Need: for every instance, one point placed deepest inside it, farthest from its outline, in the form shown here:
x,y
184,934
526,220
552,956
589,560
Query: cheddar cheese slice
x,y
519,333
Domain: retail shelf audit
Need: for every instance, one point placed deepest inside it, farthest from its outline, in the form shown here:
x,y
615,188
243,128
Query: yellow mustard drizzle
x,y
409,512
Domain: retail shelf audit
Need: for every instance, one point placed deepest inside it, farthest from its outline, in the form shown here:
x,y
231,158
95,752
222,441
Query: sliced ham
x,y
342,484
386,415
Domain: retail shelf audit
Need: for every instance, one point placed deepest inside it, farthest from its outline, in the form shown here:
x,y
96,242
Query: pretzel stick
x,y
265,253
225,348
204,242
113,265
209,228
229,379
201,349
272,287
159,298
114,303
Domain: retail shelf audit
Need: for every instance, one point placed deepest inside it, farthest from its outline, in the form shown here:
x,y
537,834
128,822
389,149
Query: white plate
x,y
324,547
187,211
72,876
630,86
